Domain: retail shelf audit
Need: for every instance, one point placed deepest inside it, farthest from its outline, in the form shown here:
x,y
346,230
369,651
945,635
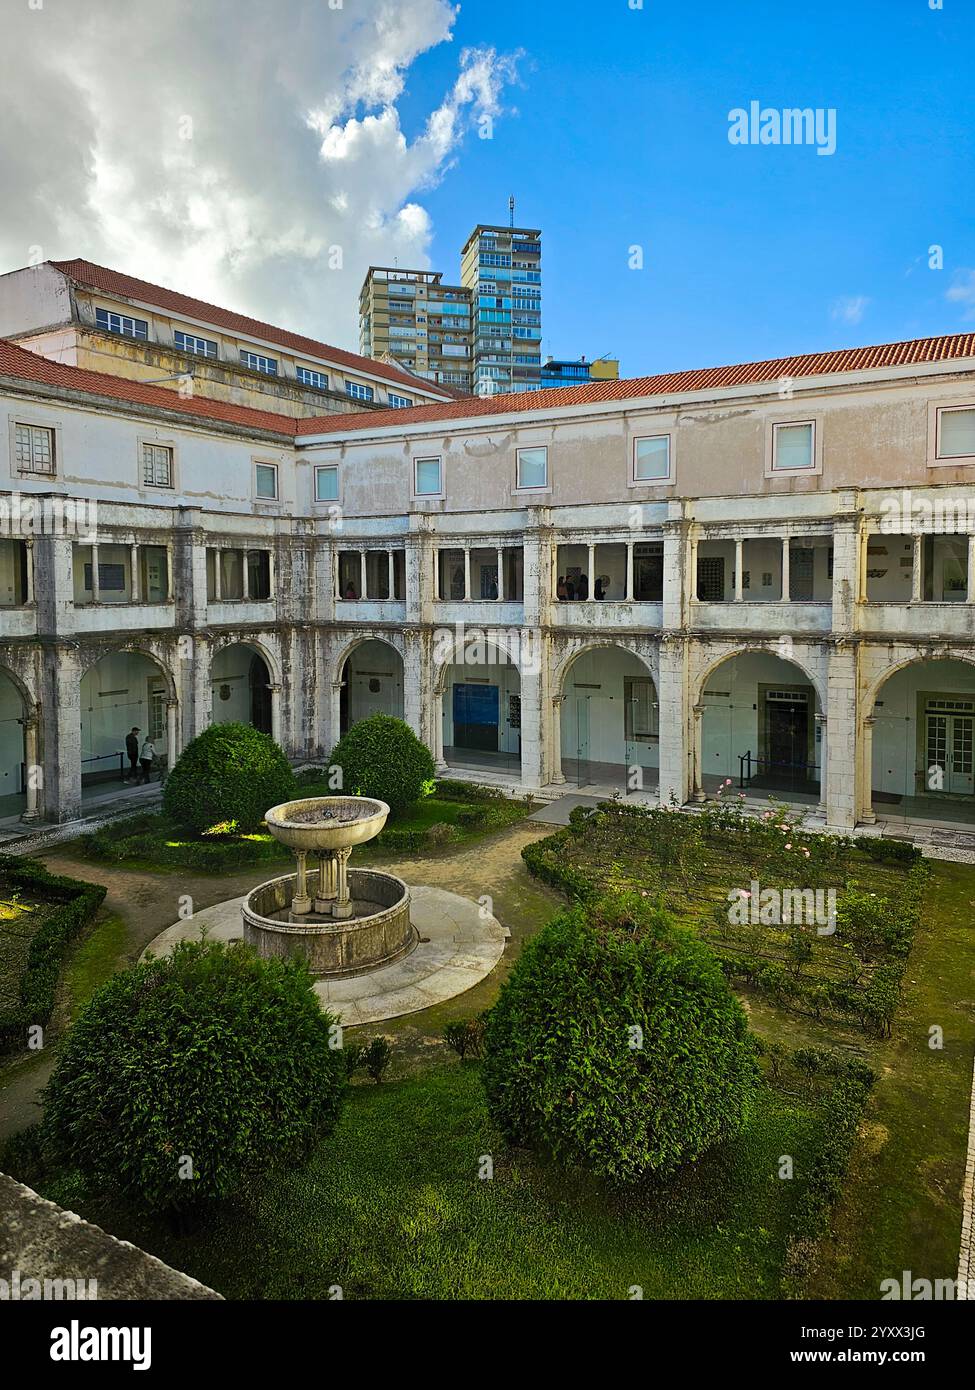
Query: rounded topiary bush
x,y
228,775
382,757
184,1076
617,1044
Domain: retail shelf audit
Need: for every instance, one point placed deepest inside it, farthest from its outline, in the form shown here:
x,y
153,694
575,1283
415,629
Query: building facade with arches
x,y
761,576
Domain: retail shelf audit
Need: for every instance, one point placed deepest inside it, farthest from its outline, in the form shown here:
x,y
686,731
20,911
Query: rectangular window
x,y
358,391
35,449
258,363
156,717
157,465
532,468
266,481
398,402
309,378
651,459
121,323
956,433
326,484
427,477
189,342
640,713
793,447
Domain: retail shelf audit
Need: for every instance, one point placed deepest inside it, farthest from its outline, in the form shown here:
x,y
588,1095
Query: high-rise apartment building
x,y
412,318
502,268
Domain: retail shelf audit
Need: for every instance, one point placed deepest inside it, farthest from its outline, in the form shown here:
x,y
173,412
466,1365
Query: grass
x,y
901,1206
392,1207
94,961
154,843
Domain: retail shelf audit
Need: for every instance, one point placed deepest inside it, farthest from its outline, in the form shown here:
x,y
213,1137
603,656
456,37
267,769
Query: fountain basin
x,y
326,822
378,932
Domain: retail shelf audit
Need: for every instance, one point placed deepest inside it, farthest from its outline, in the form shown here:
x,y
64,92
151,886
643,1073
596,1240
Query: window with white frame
x,y
327,483
651,458
189,342
956,432
531,469
398,402
428,477
122,324
157,465
258,362
35,449
266,481
794,446
309,378
358,391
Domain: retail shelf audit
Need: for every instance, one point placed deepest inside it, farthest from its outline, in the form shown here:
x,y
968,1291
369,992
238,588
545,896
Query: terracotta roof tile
x,y
111,282
30,366
918,350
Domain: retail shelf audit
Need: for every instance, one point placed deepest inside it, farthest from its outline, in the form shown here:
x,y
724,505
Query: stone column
x,y
363,586
970,572
276,714
917,568
500,575
391,576
62,736
33,773
134,576
556,775
301,902
841,750
866,773
172,737
467,574
29,568
342,906
628,594
96,592
335,712
698,753
673,723
786,584
326,883
591,564
739,573
532,733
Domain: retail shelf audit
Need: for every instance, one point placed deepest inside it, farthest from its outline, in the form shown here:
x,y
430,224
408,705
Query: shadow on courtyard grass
x,y
392,1208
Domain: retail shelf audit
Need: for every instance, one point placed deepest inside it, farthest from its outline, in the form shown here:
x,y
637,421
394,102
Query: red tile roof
x,y
113,282
918,350
30,366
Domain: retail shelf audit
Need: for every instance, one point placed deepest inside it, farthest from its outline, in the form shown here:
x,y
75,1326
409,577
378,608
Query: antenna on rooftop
x,y
511,211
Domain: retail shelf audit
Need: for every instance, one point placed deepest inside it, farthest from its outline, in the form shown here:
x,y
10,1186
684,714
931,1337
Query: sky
x,y
263,155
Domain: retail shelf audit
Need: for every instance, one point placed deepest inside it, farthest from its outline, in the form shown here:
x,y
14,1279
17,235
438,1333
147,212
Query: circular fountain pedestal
x,y
342,921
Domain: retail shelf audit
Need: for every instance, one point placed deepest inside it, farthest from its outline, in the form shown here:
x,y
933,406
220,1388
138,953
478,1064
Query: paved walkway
x,y
459,945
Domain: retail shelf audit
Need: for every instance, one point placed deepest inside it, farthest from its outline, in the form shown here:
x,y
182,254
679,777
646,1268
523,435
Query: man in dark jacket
x,y
132,753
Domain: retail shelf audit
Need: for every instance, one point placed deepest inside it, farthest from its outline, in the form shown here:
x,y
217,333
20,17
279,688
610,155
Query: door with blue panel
x,y
476,716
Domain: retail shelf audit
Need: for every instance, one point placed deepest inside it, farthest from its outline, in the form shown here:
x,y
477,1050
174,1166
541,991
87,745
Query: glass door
x,y
582,740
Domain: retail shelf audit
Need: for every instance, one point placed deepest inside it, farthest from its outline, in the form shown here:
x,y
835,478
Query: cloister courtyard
x,y
395,1204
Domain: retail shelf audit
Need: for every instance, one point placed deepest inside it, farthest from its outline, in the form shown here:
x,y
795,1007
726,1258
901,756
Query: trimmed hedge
x,y
382,757
184,1077
617,1045
76,905
229,774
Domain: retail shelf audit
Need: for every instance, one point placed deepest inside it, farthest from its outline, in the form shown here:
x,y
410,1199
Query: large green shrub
x,y
231,773
212,1057
382,757
617,1044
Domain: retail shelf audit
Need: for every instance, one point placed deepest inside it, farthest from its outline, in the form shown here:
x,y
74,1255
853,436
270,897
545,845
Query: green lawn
x,y
392,1207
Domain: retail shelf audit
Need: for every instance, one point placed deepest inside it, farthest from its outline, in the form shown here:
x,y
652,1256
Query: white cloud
x,y
849,309
963,292
295,143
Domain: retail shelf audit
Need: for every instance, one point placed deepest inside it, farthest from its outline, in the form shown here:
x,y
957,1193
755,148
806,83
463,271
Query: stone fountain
x,y
342,921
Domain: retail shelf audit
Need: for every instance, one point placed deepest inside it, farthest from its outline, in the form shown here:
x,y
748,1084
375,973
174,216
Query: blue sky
x,y
621,138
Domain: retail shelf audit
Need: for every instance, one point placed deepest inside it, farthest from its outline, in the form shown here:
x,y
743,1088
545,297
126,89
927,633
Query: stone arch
x,y
252,696
263,650
606,729
768,739
14,742
361,693
141,693
917,744
477,723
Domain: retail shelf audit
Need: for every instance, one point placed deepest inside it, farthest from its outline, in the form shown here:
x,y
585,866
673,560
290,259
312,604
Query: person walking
x,y
146,759
132,753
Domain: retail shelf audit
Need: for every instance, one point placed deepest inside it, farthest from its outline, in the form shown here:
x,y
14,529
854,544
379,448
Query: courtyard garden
x,y
507,1143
